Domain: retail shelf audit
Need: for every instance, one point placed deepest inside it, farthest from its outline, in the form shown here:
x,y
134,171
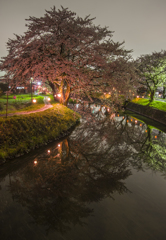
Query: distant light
x,y
137,96
127,120
59,145
35,162
20,87
135,121
145,130
48,151
59,95
155,136
140,124
34,100
39,83
48,99
55,95
108,109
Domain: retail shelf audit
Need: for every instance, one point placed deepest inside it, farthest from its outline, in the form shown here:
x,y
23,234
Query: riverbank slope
x,y
22,133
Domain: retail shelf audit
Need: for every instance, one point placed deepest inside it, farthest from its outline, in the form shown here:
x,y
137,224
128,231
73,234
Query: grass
x,y
21,103
20,134
155,104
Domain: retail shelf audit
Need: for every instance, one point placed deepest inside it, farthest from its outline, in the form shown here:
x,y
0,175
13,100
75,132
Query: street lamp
x,y
31,90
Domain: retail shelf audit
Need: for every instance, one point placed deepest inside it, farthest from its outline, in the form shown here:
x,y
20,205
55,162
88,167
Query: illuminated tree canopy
x,y
151,68
71,54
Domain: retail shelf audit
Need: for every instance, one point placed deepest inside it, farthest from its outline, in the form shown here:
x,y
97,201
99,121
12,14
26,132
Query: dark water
x,y
107,180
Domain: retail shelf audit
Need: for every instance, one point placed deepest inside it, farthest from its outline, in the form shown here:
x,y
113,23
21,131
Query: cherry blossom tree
x,y
71,54
151,69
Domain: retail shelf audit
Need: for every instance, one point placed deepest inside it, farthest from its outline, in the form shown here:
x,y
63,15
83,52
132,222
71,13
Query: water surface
x,y
104,181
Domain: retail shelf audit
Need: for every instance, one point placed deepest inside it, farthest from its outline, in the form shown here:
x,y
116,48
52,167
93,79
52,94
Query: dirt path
x,y
47,106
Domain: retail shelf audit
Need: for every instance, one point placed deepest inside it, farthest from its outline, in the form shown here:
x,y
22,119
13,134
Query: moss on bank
x,y
20,134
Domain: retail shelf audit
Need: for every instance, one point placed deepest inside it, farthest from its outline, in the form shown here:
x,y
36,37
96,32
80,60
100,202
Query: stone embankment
x,y
152,113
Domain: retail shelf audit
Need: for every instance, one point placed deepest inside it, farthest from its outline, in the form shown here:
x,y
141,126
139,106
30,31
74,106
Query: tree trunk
x,y
164,88
65,94
152,95
54,92
61,91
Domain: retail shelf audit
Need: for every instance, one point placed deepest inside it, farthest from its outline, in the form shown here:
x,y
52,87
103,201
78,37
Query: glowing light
x,y
140,124
48,151
48,99
35,162
155,136
59,145
108,109
127,120
137,96
131,119
135,121
34,100
55,95
142,96
145,130
59,95
118,115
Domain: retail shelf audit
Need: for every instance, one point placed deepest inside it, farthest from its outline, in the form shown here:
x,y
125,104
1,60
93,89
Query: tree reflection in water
x,y
89,165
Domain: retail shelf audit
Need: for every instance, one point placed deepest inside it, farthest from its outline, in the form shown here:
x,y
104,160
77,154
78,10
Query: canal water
x,y
106,180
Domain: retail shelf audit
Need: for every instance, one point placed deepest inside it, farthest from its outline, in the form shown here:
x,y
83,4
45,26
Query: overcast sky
x,y
140,23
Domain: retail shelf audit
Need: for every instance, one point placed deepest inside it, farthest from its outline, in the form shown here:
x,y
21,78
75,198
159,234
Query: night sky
x,y
140,23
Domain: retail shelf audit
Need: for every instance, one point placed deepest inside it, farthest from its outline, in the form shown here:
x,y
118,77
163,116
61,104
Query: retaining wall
x,y
152,113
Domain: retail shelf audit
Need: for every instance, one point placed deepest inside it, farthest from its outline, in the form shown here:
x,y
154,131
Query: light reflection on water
x,y
105,181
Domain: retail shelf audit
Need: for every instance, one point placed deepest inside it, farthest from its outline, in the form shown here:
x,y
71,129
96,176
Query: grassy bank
x,y
155,104
20,134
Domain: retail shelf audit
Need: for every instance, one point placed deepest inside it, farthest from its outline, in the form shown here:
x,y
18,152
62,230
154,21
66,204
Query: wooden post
x,y
7,105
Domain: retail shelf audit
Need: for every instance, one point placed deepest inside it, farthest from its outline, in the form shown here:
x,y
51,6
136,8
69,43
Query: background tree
x,y
163,79
150,68
70,54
